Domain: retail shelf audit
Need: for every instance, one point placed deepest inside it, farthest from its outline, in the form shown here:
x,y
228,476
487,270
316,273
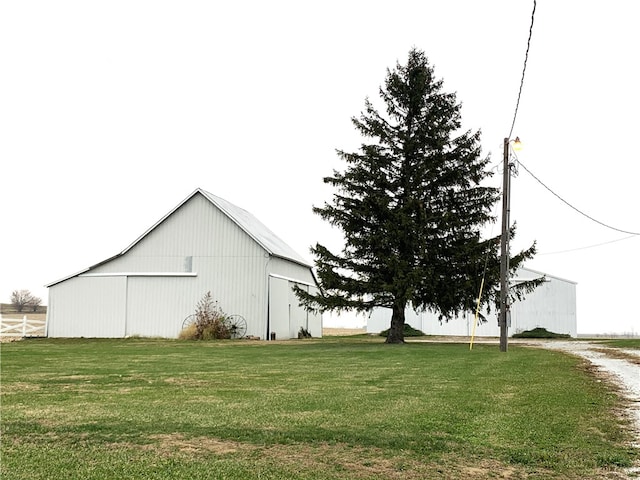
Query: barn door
x,y
278,308
297,314
286,316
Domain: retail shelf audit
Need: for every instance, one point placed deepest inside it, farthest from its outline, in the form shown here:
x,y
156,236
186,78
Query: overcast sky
x,y
113,112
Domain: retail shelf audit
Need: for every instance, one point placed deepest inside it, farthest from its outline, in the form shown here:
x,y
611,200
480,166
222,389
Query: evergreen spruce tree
x,y
411,206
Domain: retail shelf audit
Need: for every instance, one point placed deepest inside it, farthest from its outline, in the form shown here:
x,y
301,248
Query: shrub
x,y
210,322
304,333
408,330
540,332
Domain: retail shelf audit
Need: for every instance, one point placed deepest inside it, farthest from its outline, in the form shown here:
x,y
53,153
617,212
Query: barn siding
x,y
196,229
552,306
88,307
284,268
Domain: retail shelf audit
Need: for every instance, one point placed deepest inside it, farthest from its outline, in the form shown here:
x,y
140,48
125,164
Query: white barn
x,y
552,306
203,244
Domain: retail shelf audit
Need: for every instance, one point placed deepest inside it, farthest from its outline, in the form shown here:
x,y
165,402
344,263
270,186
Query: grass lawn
x,y
337,408
629,343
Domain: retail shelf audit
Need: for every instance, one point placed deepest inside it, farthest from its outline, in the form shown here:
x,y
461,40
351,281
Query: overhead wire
x,y
526,57
588,246
575,208
515,115
524,69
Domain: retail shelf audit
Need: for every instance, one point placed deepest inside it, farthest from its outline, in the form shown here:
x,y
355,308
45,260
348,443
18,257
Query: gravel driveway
x,y
621,366
625,372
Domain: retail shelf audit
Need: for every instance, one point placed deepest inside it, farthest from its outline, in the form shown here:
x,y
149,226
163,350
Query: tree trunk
x,y
396,331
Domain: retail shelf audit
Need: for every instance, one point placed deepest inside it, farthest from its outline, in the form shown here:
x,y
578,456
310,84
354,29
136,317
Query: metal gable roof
x,y
255,229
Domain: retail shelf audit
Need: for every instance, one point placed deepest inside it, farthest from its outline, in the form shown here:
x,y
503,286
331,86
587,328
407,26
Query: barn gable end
x,y
204,244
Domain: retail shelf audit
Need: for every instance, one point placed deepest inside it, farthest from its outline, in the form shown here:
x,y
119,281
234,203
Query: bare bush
x,y
210,322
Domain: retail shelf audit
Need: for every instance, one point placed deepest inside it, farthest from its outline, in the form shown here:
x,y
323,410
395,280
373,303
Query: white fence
x,y
22,327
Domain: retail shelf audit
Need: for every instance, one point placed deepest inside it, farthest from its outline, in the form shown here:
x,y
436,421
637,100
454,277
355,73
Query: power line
x,y
575,208
589,246
524,69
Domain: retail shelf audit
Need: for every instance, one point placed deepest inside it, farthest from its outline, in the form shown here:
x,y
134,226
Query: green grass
x,y
343,408
627,343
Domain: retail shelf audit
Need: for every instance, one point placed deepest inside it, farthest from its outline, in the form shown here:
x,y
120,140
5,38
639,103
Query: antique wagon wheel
x,y
190,320
237,326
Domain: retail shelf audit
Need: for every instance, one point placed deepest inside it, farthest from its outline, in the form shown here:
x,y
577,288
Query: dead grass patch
x,y
186,381
4,339
352,462
619,354
491,469
19,387
166,444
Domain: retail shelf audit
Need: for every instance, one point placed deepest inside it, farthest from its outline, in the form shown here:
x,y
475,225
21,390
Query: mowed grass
x,y
337,408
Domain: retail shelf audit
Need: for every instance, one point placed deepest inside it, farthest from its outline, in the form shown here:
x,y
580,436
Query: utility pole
x,y
504,249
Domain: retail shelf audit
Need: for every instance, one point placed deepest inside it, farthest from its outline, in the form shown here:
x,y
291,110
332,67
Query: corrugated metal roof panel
x,y
256,229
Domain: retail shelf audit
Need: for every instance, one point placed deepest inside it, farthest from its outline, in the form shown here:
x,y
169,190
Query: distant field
x,y
9,311
343,331
320,409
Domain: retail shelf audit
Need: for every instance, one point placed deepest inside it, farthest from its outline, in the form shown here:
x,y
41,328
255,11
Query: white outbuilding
x,y
551,306
205,244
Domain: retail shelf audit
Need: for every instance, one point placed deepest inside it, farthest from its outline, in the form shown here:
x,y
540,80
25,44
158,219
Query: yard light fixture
x,y
504,316
517,144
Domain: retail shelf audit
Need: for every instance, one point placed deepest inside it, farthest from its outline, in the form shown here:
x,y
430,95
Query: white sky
x,y
113,112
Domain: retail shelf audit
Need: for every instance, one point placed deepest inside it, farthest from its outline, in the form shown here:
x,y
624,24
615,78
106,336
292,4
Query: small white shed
x,y
204,244
552,306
